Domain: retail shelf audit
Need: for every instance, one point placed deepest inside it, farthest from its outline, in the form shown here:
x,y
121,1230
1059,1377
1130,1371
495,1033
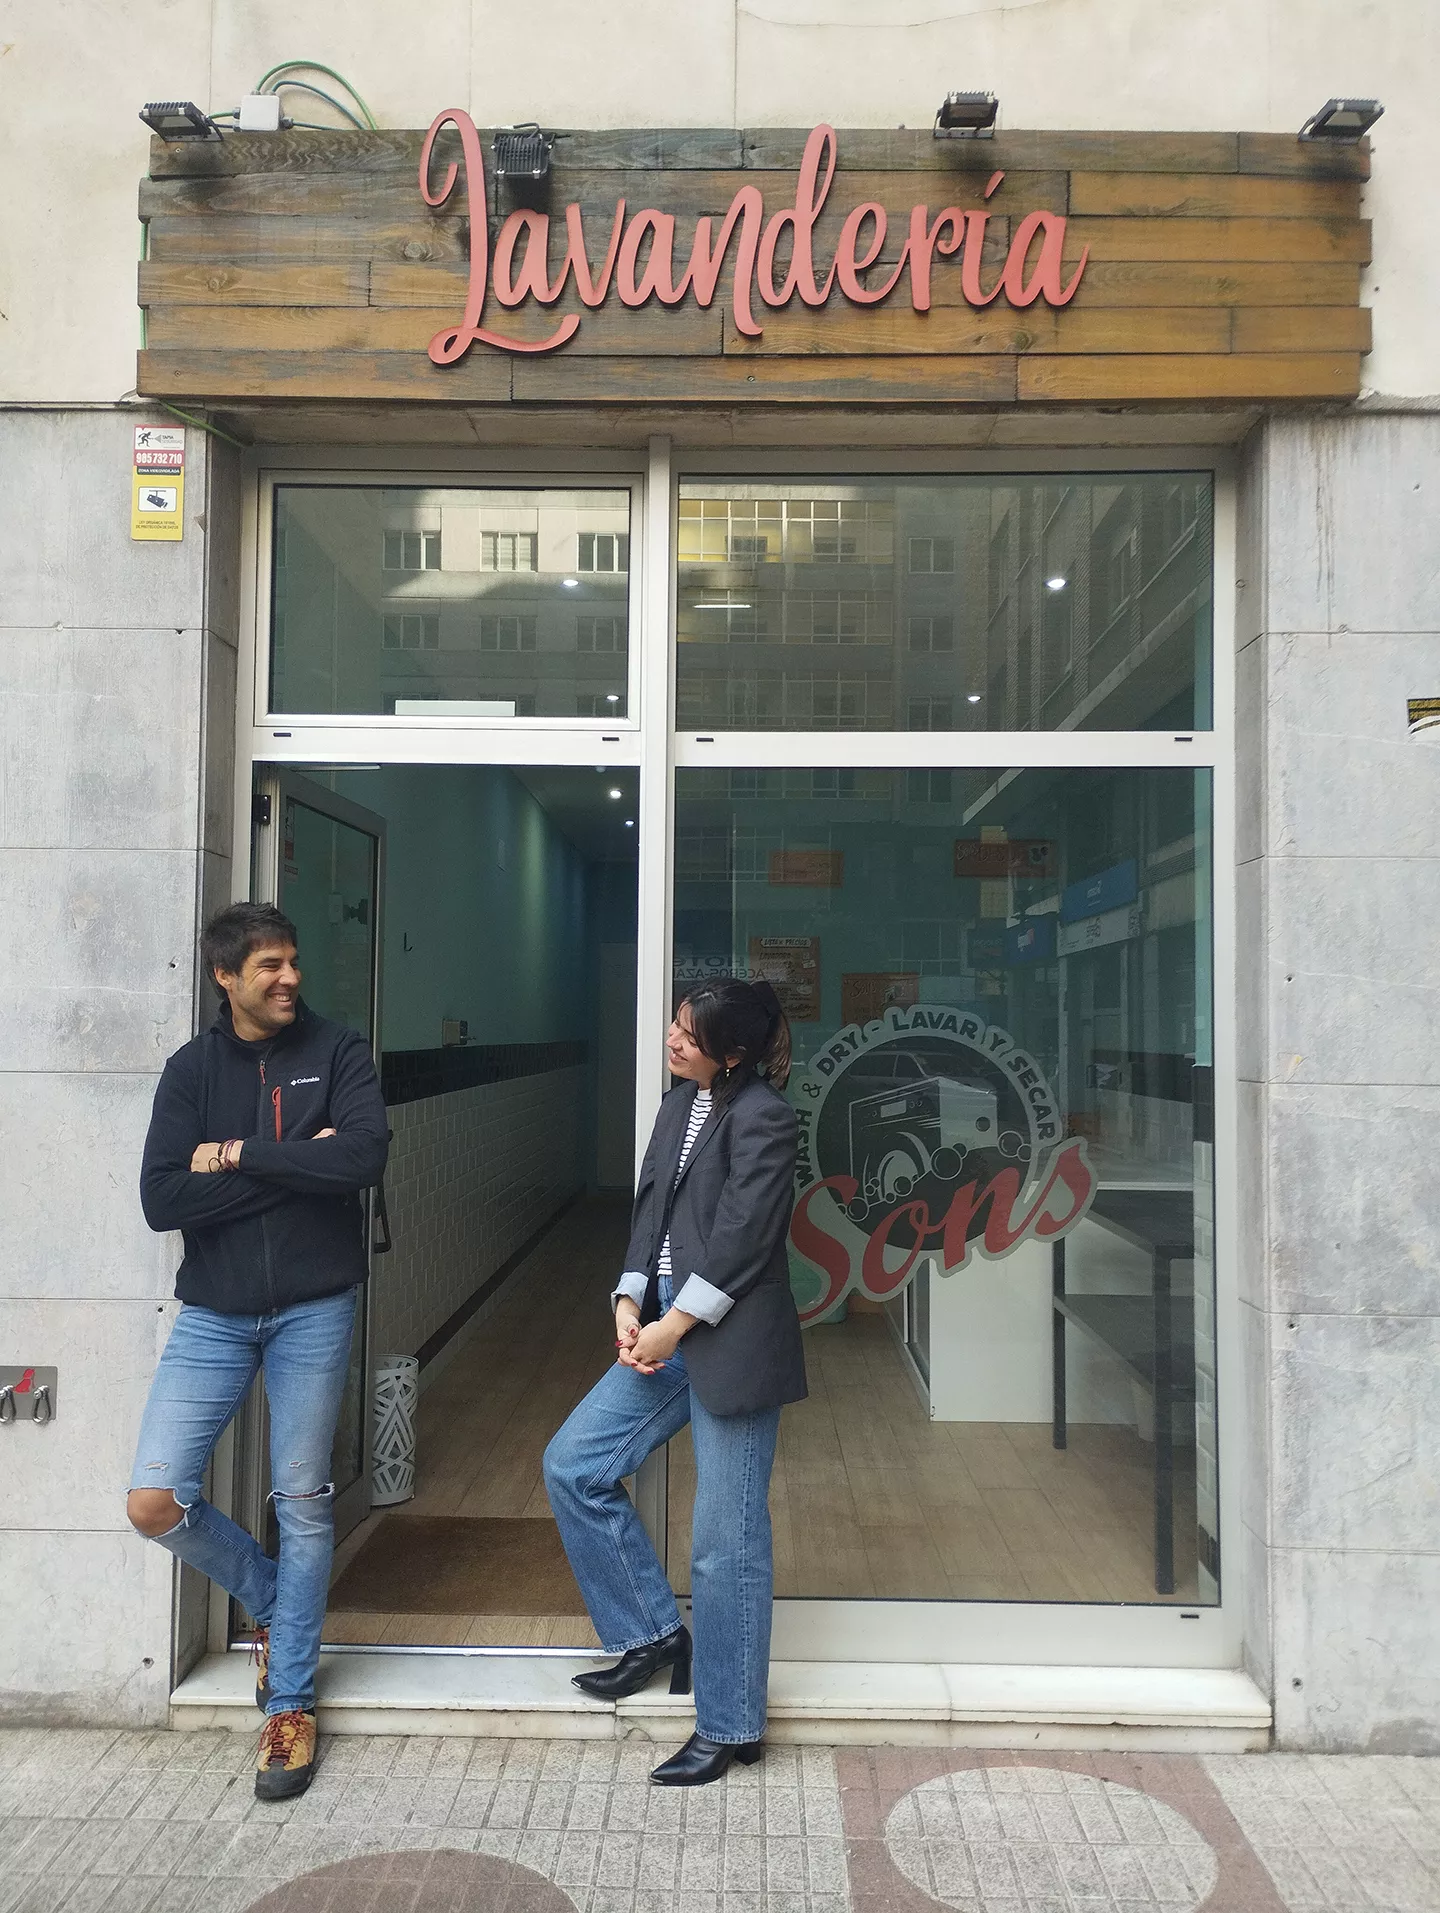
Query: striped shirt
x,y
703,1102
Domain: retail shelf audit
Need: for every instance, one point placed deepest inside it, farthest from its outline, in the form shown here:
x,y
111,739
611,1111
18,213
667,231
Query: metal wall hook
x,y
7,1403
42,1410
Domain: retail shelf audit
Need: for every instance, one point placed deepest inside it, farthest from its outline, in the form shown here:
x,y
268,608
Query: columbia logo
x,y
296,1082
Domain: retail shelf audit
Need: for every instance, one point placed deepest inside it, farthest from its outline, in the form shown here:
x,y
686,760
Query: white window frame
x,y
1038,1633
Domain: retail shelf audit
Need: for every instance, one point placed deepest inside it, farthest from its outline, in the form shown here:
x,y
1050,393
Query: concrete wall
x,y
117,673
75,74
1340,1090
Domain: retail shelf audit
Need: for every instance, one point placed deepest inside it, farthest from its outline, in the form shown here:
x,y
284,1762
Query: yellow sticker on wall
x,y
157,501
157,508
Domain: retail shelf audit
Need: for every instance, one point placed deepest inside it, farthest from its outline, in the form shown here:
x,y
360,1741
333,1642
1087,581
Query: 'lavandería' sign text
x,y
640,255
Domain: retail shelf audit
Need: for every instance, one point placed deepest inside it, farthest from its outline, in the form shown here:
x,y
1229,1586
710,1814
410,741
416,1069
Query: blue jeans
x,y
623,1419
209,1362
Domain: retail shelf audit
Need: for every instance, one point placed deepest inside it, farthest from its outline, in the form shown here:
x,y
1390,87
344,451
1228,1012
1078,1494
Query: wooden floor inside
x,y
870,1498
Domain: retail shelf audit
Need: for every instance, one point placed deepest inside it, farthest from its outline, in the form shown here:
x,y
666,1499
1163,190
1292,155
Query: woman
x,y
706,1332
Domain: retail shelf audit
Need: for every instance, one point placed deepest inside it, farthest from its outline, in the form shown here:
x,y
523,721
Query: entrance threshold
x,y
1099,1709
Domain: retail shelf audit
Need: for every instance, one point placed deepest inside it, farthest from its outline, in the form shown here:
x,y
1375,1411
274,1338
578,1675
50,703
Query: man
x,y
265,1129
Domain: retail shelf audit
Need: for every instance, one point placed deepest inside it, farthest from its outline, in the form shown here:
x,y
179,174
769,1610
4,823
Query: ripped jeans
x,y
209,1362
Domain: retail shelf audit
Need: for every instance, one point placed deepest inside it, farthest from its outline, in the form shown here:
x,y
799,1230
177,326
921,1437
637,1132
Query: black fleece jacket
x,y
288,1225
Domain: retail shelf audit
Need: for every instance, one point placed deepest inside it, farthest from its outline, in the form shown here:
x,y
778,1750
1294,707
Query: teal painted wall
x,y
485,908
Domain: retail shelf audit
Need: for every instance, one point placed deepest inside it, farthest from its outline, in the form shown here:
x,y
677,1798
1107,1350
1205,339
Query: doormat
x,y
445,1564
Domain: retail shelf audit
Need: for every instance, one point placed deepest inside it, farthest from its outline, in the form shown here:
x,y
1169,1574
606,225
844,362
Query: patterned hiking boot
x,y
260,1655
285,1764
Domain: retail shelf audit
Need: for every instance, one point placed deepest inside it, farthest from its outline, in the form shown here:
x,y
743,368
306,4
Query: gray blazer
x,y
727,1224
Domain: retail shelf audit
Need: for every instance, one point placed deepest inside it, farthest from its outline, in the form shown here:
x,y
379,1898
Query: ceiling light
x,y
1343,121
570,583
612,697
616,793
967,116
1056,584
178,120
973,698
723,607
629,823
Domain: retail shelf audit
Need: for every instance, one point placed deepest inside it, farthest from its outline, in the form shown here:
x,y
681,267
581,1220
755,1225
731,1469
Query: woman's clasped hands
x,y
649,1348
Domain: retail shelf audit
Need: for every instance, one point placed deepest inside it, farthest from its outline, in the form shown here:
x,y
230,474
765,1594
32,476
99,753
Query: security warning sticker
x,y
161,447
157,499
157,509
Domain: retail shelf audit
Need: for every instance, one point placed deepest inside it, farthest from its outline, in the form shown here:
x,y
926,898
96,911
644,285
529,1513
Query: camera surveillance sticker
x,y
927,1132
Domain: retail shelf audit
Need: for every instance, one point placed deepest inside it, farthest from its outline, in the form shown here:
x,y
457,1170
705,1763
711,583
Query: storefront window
x,y
960,604
999,988
456,602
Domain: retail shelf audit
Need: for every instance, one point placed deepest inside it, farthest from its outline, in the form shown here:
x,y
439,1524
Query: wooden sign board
x,y
1032,268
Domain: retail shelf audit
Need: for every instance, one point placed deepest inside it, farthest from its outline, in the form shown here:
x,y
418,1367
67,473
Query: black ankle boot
x,y
701,1760
639,1667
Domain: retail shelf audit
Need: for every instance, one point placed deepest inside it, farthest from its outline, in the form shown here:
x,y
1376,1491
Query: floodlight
x,y
1343,121
522,162
177,120
967,116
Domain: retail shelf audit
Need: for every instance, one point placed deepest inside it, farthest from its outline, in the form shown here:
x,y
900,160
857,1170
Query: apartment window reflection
x,y
412,551
1082,604
456,597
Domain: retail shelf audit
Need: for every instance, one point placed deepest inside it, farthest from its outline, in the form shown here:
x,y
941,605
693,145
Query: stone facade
x,y
1340,1077
117,724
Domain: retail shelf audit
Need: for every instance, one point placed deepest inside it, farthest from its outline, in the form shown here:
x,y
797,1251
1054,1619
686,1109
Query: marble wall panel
x,y
70,1223
1356,1431
1251,1006
74,1472
100,738
1353,540
1353,950
66,555
1249,1453
1351,1180
1253,1570
1357,1652
86,1640
1250,758
1344,777
222,528
217,747
1250,540
1252,1258
116,928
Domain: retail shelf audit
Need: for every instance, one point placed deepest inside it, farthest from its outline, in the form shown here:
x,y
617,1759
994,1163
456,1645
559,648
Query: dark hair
x,y
731,1018
229,938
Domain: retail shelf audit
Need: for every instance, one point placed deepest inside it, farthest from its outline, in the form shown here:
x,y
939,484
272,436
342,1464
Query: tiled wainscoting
x,y
473,1173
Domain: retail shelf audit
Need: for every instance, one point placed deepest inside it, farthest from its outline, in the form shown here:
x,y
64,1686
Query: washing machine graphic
x,y
902,1134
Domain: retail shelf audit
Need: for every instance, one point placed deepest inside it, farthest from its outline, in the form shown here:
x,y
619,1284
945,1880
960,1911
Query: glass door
x,y
320,858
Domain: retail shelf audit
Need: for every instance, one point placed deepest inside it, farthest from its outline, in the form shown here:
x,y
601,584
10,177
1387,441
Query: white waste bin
x,y
397,1392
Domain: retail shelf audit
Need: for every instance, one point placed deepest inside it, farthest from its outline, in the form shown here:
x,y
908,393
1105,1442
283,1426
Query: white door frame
x,y
1040,1633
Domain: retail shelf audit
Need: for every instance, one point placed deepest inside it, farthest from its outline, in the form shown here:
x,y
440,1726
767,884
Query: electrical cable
x,y
304,86
316,66
190,419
